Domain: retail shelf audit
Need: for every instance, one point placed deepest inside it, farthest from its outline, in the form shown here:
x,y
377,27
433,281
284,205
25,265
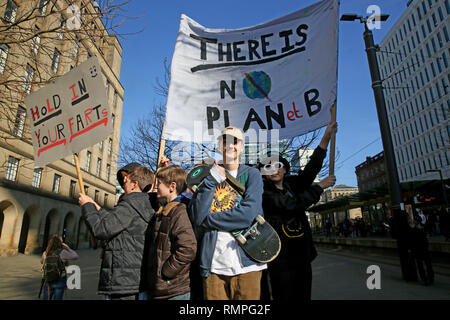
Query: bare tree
x,y
41,40
296,148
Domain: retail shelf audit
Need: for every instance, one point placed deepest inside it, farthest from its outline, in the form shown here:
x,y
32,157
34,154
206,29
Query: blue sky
x,y
144,54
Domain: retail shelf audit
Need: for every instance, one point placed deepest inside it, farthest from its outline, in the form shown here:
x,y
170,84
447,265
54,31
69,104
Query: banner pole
x,y
162,147
332,141
80,178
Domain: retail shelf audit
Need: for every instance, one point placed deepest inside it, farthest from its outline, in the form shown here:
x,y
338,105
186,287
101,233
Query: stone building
x,y
371,174
339,190
38,202
413,59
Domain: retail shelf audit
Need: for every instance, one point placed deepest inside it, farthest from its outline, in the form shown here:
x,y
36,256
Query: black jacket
x,y
124,228
285,210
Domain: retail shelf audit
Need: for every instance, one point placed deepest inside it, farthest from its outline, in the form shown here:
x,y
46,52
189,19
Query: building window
x,y
100,145
446,34
11,168
28,78
105,200
37,175
108,170
86,189
107,88
115,98
19,124
55,60
56,183
113,118
62,23
88,161
3,57
109,146
73,184
76,46
11,11
35,43
99,165
43,6
96,194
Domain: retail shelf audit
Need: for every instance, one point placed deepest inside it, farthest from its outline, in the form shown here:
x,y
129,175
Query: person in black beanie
x,y
285,200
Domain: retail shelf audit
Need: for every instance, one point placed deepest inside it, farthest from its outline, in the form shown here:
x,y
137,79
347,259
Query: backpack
x,y
53,267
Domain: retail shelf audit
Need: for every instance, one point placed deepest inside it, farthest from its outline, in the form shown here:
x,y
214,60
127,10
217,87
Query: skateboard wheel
x,y
241,239
260,219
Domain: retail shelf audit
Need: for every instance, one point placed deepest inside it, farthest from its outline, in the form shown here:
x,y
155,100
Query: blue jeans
x,y
56,289
186,296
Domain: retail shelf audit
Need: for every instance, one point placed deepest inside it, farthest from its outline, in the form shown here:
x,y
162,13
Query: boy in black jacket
x,y
124,230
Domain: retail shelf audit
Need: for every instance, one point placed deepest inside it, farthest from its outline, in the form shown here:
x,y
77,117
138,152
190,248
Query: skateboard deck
x,y
260,241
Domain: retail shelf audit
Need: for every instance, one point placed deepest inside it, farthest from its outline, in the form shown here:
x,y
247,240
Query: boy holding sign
x,y
124,229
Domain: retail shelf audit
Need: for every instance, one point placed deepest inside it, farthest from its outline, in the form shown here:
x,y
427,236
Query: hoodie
x,y
207,224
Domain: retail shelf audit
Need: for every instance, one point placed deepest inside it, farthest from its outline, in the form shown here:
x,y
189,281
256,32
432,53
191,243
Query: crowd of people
x,y
162,241
437,223
347,228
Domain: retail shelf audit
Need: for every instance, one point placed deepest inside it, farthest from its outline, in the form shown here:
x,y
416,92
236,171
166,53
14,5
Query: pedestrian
x,y
352,228
444,223
124,229
328,226
285,200
173,244
419,248
228,272
54,260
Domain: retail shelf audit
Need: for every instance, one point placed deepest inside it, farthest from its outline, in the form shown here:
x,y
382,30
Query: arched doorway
x,y
82,231
69,226
8,216
24,233
28,240
51,227
2,217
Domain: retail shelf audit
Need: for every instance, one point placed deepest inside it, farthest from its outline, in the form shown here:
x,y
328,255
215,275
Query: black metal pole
x,y
396,199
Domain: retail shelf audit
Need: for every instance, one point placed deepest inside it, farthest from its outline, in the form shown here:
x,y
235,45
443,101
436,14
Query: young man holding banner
x,y
228,273
285,200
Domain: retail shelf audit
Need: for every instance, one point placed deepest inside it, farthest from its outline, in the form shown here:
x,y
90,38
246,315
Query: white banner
x,y
70,114
281,74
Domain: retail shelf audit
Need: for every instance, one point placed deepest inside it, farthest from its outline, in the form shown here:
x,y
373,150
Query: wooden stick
x,y
332,140
162,147
80,178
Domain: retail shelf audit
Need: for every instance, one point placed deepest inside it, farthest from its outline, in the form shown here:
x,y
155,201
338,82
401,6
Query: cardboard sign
x,y
279,75
70,114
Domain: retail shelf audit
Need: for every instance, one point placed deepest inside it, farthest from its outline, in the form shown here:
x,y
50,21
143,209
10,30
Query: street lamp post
x,y
444,192
396,200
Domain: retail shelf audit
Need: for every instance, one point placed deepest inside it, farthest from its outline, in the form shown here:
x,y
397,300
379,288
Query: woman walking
x,y
54,259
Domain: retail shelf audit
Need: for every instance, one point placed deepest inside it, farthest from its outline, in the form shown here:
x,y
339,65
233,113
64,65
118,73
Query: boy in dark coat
x,y
124,230
172,244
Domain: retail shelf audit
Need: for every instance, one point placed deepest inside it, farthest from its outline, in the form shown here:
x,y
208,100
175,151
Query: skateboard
x,y
260,241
